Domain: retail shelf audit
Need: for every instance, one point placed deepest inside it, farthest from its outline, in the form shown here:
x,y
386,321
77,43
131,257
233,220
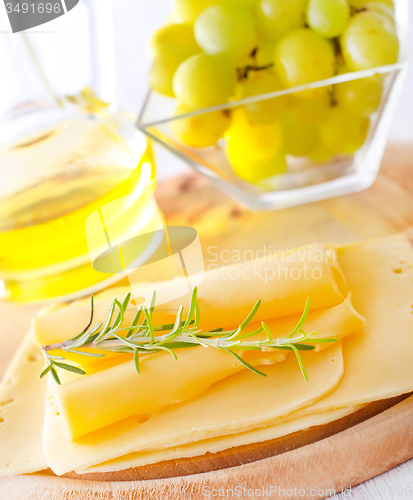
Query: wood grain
x,y
336,456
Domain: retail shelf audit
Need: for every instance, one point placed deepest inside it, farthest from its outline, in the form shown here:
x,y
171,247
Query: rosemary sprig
x,y
147,338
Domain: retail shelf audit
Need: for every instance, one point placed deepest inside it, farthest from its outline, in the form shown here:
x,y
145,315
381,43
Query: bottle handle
x,y
102,49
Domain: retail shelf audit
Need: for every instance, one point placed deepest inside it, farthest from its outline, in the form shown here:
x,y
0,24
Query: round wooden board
x,y
310,464
326,466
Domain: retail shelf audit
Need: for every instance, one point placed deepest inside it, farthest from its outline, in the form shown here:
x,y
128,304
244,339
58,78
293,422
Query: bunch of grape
x,y
217,51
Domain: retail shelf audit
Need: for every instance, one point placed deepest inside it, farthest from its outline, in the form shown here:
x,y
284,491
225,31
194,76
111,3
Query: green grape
x,y
321,154
252,142
264,53
310,111
174,37
204,80
328,18
257,172
201,130
299,137
300,124
302,57
381,8
278,17
370,40
360,4
226,29
189,10
245,4
360,97
269,110
343,132
163,70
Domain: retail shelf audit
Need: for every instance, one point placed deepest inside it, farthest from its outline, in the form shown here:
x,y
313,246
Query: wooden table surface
x,y
226,229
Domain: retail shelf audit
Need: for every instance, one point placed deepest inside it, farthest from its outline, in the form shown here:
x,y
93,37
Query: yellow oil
x,y
59,176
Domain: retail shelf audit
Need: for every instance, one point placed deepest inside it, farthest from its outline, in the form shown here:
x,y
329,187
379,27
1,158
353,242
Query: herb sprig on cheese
x,y
144,338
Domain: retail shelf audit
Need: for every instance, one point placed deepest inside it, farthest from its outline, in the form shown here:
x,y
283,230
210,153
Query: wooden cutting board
x,y
334,457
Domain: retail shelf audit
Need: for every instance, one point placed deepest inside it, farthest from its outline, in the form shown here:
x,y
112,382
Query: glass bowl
x,y
305,180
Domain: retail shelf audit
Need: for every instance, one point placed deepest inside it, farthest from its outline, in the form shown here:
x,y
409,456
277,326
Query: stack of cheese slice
x,y
113,419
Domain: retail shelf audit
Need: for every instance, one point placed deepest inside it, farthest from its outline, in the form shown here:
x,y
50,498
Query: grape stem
x,y
243,72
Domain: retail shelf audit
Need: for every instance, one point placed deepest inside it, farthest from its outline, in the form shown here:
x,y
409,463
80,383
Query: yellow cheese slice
x,y
83,410
378,362
242,401
22,402
163,381
281,427
283,281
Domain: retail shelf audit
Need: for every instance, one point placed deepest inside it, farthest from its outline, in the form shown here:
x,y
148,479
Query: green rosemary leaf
x,y
250,316
178,321
248,335
55,376
242,361
246,347
124,350
321,341
46,371
191,307
91,354
85,338
70,368
300,347
123,340
267,331
198,340
106,326
302,319
300,362
134,323
246,321
119,317
163,348
55,357
180,345
197,315
171,337
136,360
92,310
126,302
149,323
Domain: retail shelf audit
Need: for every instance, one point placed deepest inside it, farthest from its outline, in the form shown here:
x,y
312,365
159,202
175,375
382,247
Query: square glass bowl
x,y
305,180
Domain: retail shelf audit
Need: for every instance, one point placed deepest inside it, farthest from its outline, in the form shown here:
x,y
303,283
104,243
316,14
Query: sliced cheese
x,y
378,365
22,396
242,401
163,381
281,427
83,410
283,281
379,361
